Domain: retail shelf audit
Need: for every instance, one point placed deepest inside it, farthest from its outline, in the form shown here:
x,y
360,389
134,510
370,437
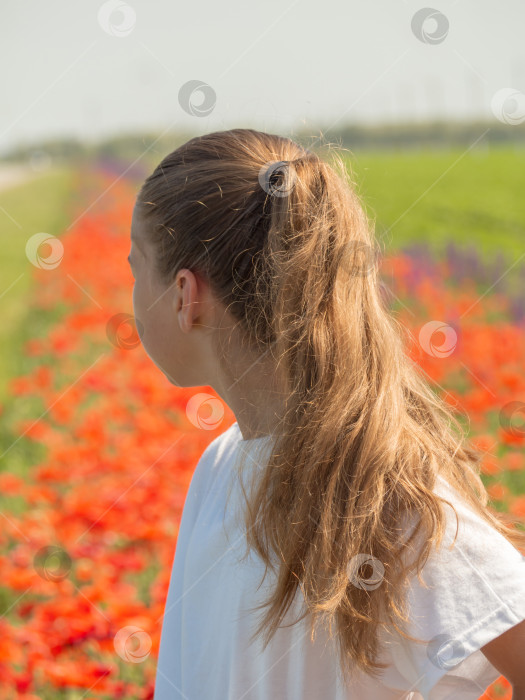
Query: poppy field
x,y
98,448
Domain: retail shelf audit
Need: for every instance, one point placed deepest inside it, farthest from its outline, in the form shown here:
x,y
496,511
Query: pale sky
x,y
90,69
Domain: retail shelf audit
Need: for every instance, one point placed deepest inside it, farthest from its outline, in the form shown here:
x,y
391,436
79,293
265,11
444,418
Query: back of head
x,y
255,213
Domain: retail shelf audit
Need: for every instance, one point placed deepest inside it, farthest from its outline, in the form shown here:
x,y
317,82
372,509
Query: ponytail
x,y
286,245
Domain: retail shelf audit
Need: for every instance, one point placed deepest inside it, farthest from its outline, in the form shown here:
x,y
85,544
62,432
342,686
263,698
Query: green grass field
x,y
39,205
435,197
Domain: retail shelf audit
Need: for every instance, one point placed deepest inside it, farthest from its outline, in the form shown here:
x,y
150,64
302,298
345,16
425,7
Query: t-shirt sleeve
x,y
476,591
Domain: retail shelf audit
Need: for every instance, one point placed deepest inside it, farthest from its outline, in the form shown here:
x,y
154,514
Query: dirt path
x,y
12,174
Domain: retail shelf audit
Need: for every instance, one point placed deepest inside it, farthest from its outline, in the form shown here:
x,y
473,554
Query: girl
x,y
256,274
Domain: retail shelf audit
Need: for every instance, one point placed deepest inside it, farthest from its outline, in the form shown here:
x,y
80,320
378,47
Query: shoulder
x,y
221,444
472,591
215,454
205,473
478,542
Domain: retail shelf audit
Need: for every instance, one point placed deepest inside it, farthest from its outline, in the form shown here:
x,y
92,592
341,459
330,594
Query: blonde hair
x,y
284,242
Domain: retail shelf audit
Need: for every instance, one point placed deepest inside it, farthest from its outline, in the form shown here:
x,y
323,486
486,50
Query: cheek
x,y
141,295
136,300
149,307
138,312
141,304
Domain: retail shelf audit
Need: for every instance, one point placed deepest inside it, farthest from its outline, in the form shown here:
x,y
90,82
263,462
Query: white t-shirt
x,y
476,592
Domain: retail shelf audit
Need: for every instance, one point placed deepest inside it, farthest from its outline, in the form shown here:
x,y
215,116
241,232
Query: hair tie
x,y
276,173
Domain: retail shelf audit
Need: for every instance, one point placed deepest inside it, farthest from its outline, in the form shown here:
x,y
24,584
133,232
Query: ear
x,y
186,299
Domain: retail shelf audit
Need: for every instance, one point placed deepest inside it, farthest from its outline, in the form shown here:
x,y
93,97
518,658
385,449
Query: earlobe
x,y
180,307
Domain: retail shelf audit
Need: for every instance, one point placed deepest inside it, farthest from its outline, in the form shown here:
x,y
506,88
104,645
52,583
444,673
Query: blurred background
x,y
427,106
